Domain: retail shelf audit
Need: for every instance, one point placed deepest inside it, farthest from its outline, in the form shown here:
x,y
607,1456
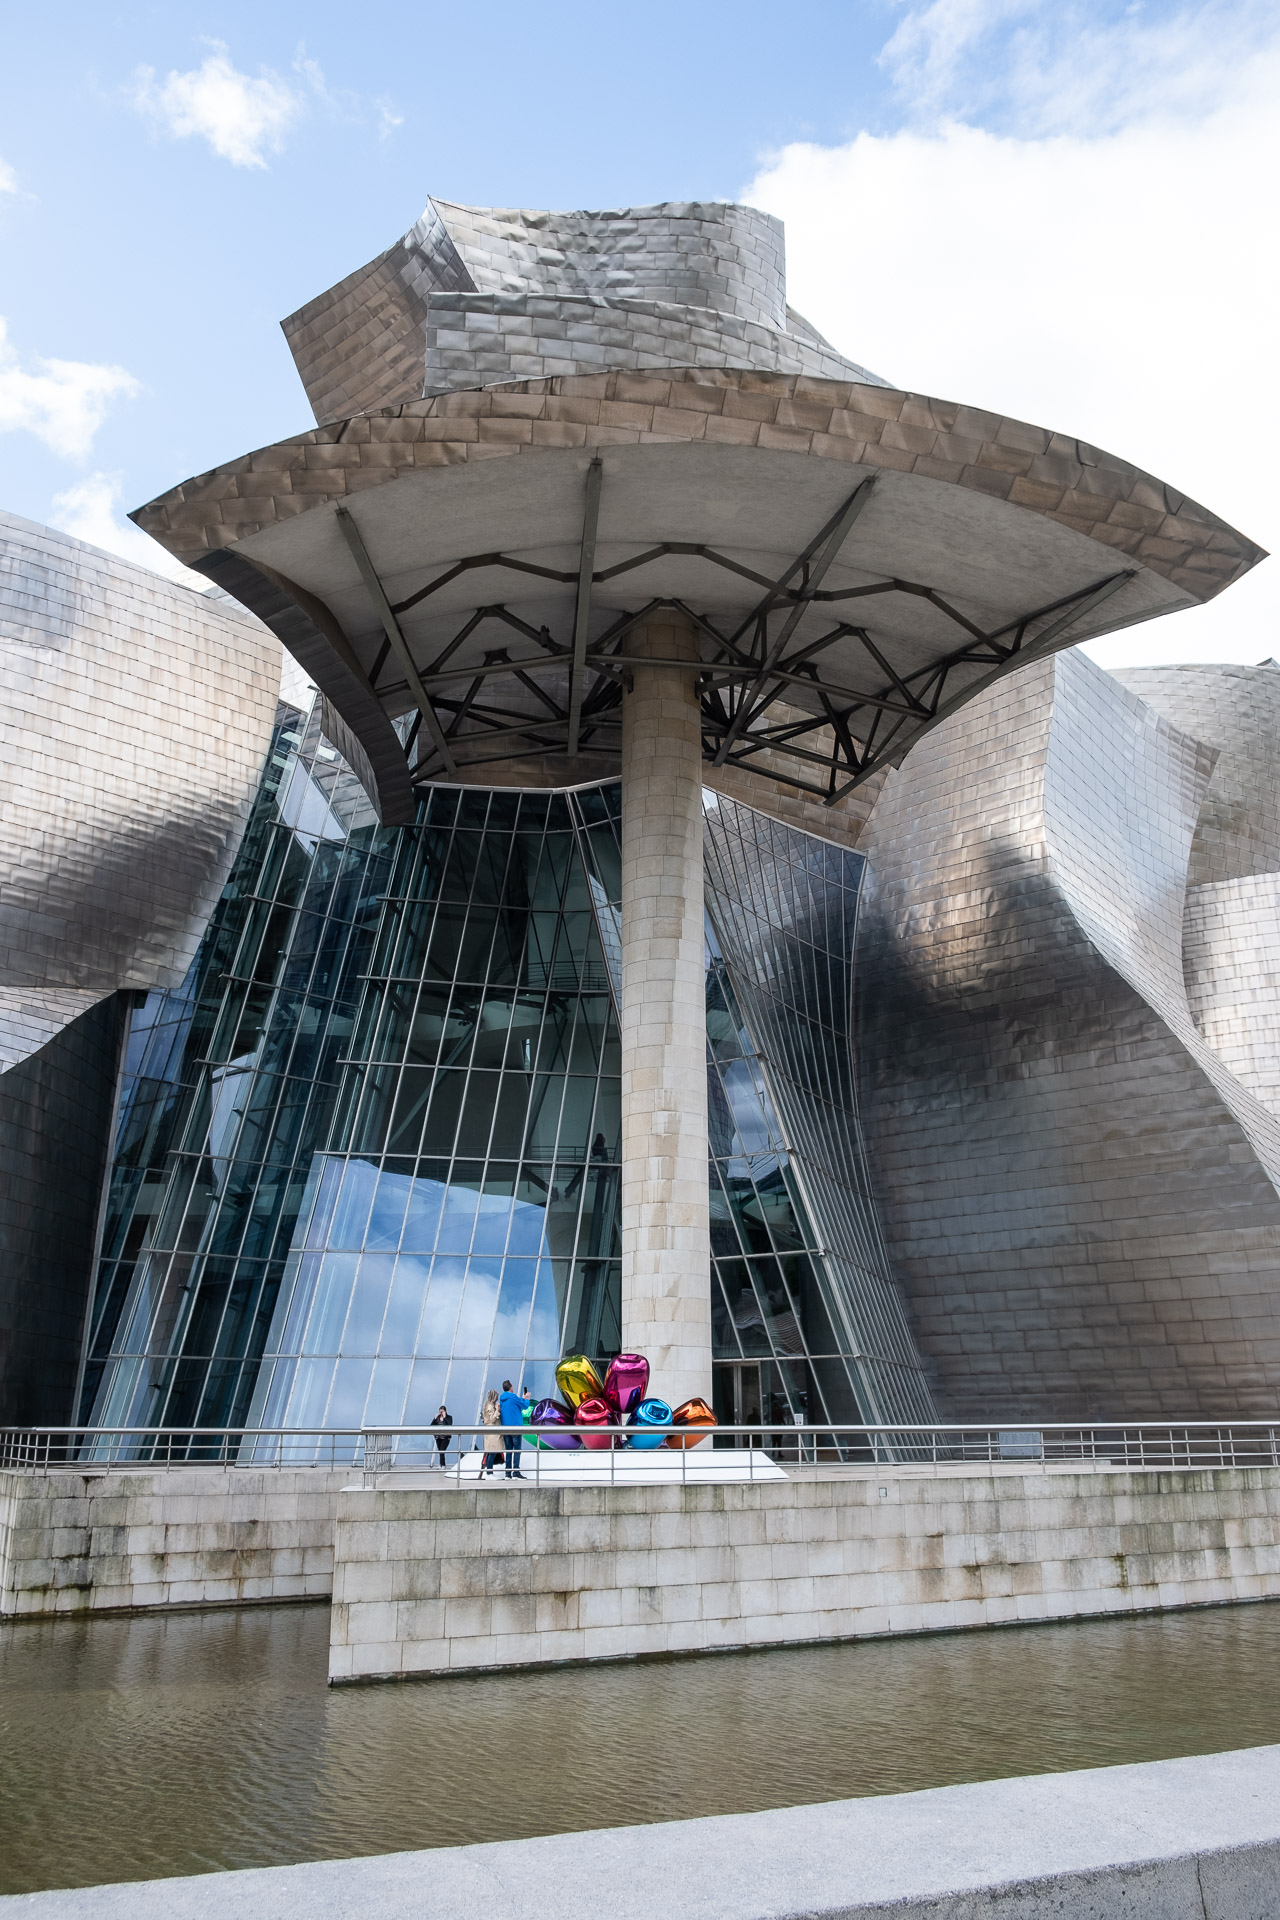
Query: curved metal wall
x,y
135,717
1078,1194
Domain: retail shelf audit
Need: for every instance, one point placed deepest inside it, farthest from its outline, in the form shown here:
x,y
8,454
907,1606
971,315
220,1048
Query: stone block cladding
x,y
432,1581
857,424
1078,1193
666,1293
89,1542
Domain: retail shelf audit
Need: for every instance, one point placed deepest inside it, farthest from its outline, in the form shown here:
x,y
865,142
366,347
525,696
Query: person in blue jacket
x,y
511,1408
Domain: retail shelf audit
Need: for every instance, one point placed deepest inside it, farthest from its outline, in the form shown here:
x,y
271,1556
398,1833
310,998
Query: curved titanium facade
x,y
133,722
135,717
1231,920
367,1155
499,294
1078,1193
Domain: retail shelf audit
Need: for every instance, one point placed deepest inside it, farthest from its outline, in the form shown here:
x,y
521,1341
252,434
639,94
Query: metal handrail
x,y
796,1446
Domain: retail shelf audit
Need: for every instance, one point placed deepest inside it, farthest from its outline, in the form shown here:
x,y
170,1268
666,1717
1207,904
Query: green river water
x,y
182,1743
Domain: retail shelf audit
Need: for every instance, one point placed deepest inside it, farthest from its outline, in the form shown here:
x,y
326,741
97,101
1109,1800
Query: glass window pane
x,y
422,1219
404,1305
515,1298
351,1215
385,1405
310,1394
479,1303
350,1391
457,1223
333,1296
368,1304
387,1216
440,1317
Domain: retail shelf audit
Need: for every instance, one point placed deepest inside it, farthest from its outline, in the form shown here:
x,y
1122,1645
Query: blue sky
x,y
1067,212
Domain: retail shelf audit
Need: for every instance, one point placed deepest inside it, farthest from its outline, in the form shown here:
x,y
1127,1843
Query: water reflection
x,y
141,1747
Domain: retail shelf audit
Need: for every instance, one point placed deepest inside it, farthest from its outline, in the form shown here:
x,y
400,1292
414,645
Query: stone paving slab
x,y
1190,1839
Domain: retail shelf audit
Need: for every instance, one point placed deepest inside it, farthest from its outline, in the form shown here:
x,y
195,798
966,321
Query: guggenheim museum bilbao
x,y
687,893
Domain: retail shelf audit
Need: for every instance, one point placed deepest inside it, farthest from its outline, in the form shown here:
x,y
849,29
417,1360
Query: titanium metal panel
x,y
133,725
1078,1194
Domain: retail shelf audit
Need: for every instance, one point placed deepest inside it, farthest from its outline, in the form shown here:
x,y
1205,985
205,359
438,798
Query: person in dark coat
x,y
443,1419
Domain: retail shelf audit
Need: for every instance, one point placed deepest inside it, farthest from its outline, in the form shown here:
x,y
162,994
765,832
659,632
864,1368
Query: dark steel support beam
x,y
582,612
391,626
830,540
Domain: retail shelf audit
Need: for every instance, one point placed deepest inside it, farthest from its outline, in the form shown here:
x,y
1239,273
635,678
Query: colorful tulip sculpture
x,y
552,1422
626,1383
578,1380
589,1417
696,1417
648,1420
589,1407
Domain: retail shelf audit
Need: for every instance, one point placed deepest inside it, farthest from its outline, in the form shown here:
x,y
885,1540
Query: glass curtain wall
x,y
367,1158
462,1227
796,1239
228,1093
367,1154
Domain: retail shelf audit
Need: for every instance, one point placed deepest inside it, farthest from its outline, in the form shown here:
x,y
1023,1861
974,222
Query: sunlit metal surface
x,y
1078,1191
136,716
511,295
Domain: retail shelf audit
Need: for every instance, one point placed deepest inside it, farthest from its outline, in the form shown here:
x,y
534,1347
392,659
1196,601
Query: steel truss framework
x,y
753,674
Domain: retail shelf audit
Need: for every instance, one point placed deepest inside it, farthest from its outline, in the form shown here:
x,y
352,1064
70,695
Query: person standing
x,y
512,1406
443,1419
491,1421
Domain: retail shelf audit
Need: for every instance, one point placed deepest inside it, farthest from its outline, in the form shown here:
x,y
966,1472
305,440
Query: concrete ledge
x,y
1195,1839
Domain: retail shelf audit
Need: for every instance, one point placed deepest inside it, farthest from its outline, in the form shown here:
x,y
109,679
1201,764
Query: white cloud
x,y
243,119
8,178
63,402
90,511
1122,287
388,118
1031,66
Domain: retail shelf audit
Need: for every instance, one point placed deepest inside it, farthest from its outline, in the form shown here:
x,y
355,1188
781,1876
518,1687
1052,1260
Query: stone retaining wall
x,y
433,1580
185,1536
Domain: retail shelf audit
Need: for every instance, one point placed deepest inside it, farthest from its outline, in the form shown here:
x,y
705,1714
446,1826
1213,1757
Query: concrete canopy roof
x,y
859,561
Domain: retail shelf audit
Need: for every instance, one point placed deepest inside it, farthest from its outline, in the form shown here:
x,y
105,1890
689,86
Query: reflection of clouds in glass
x,y
492,1222
354,1201
457,1221
479,1303
387,1391
363,1330
544,1332
508,1059
423,1216
387,1217
350,1391
512,1320
333,1297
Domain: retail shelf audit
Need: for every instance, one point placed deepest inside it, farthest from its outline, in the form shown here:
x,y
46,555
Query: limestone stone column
x,y
666,1293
